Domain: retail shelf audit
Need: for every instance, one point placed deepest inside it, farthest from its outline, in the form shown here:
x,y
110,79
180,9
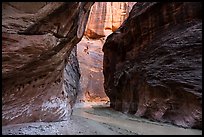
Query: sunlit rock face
x,y
106,17
39,75
153,63
90,56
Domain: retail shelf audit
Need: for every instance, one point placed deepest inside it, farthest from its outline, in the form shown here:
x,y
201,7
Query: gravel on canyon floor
x,y
90,119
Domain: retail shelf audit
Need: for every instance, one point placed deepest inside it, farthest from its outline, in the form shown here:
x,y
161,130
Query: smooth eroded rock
x,y
39,76
153,63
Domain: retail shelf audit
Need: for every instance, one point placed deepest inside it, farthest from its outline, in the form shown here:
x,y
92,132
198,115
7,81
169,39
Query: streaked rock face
x,y
90,57
106,17
39,76
153,63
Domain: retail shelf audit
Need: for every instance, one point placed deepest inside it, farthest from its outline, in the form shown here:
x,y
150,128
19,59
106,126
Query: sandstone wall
x,y
106,17
38,84
90,56
153,63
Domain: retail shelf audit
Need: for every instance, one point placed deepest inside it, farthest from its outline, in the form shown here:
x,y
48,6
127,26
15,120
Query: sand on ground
x,y
98,119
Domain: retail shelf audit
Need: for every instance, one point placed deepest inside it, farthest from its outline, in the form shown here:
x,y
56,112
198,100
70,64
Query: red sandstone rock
x,y
35,52
153,63
106,17
90,57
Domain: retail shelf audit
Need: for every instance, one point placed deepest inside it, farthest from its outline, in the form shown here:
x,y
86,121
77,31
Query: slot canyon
x,y
94,68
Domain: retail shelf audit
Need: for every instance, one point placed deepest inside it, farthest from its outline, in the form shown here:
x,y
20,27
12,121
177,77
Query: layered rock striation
x,y
106,17
153,63
39,76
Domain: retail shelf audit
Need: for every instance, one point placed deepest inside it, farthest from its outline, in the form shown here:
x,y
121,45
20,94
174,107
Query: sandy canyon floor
x,y
98,119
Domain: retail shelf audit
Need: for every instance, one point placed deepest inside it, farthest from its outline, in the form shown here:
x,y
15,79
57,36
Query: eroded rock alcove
x,y
39,68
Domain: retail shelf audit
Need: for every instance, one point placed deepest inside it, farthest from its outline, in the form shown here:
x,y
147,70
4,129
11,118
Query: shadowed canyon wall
x,y
39,68
153,63
104,17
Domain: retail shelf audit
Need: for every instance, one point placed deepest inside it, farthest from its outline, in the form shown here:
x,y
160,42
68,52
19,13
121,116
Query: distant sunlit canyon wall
x,y
105,17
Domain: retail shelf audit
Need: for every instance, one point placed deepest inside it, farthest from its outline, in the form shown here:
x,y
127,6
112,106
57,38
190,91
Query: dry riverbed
x,y
98,119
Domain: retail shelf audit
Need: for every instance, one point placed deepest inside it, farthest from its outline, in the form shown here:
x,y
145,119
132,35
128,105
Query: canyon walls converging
x,y
39,68
104,18
153,63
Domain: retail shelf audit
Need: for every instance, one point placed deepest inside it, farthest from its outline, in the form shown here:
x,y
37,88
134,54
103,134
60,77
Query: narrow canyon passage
x,y
95,68
104,19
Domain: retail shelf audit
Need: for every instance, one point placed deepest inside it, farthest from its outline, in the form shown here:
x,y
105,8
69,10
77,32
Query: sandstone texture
x,y
90,57
106,17
27,7
39,69
153,63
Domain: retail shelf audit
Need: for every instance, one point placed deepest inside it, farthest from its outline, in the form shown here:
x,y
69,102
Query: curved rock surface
x,y
153,63
106,17
38,84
